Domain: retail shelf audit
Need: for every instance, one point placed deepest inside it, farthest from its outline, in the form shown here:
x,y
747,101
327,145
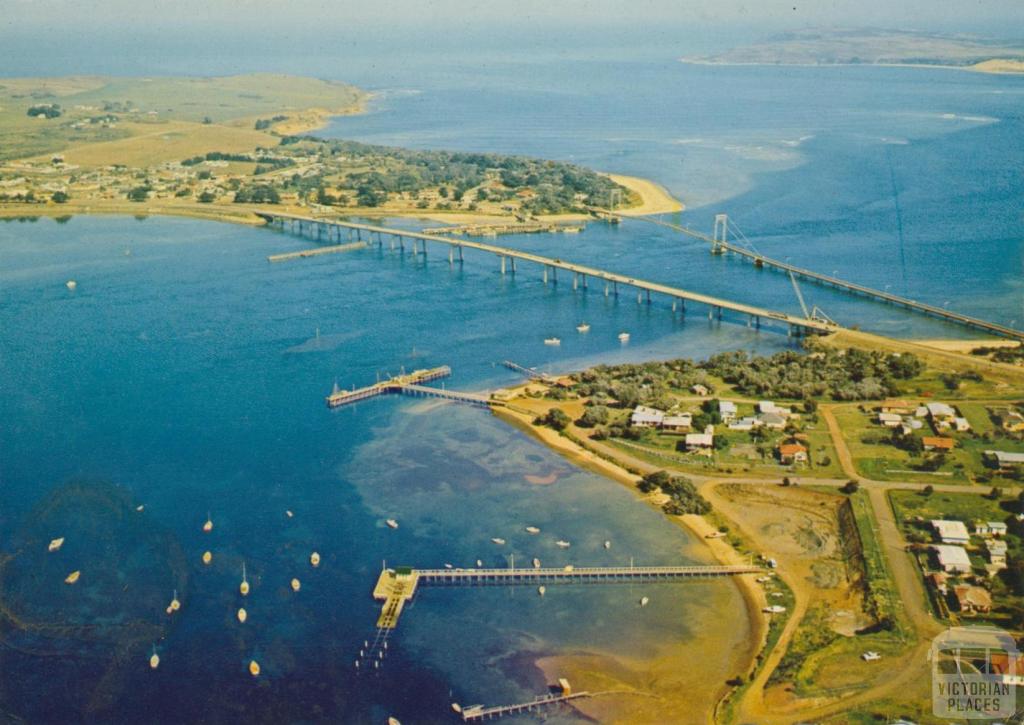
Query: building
x,y
768,406
1005,460
727,410
792,453
951,532
996,550
973,600
701,442
1009,668
1012,421
952,559
890,420
748,423
938,580
960,425
772,420
941,415
677,423
990,528
898,407
937,443
644,417
701,390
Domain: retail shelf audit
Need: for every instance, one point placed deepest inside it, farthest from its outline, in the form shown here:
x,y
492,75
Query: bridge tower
x,y
719,236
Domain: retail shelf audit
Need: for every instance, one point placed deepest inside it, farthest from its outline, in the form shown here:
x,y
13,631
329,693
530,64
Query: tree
x,y
593,415
653,481
850,487
928,490
207,197
139,193
556,418
60,197
996,493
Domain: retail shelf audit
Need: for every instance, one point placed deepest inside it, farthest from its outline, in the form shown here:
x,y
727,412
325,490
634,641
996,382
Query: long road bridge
x,y
719,245
331,230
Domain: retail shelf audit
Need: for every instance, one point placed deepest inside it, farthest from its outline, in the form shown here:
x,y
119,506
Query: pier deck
x,y
391,385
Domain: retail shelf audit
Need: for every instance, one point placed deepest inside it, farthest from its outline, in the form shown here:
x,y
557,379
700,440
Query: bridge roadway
x,y
755,313
761,260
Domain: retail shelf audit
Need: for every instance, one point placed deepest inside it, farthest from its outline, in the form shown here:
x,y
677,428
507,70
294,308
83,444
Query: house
x,y
936,443
960,425
951,532
727,410
792,453
701,390
938,580
952,559
1005,460
772,420
1010,669
1012,421
990,528
644,417
889,420
768,406
996,550
747,423
898,407
701,442
973,600
941,415
677,423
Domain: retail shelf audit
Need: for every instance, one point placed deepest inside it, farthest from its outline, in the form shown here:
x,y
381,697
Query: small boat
x,y
208,526
563,544
607,544
714,535
456,707
254,668
175,605
583,327
139,507
242,615
447,566
541,589
479,562
207,557
623,337
532,530
296,585
288,513
392,523
244,586
56,544
393,721
644,601
71,284
536,563
568,568
154,659
552,341
499,542
314,559
72,577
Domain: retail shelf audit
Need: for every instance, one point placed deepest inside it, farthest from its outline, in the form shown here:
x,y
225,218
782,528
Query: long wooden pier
x,y
531,373
722,245
391,385
582,274
476,713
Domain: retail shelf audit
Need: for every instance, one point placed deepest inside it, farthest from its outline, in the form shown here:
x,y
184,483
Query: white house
x,y
702,442
953,559
727,410
951,532
996,551
644,417
960,425
678,422
990,528
890,420
698,389
748,423
772,420
1006,460
941,415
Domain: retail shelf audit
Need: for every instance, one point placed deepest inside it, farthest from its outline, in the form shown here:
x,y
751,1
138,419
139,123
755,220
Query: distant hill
x,y
875,47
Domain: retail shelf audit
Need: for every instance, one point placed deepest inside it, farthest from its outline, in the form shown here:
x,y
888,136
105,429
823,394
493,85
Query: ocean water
x,y
185,374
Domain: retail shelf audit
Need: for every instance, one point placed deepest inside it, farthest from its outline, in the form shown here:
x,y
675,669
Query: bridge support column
x,y
615,288
648,297
575,281
584,281
502,258
545,274
639,297
719,237
451,256
513,261
605,289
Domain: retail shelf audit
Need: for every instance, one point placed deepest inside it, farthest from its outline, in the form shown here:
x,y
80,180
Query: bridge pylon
x,y
720,234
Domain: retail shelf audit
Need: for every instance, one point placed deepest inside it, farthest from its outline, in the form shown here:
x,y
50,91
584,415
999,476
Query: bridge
x,y
720,245
332,229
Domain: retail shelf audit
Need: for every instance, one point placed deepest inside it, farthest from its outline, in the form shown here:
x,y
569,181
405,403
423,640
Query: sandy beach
x,y
656,199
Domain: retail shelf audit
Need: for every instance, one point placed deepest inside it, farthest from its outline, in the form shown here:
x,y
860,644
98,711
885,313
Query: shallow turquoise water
x,y
188,373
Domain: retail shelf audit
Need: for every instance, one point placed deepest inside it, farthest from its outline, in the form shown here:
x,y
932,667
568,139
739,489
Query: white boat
x,y
207,557
532,530
139,507
208,526
447,566
499,542
314,559
568,568
254,668
871,656
644,601
392,523
623,337
71,284
607,544
562,543
242,615
154,660
552,341
56,544
393,721
244,586
541,589
288,513
583,327
457,707
774,609
536,563
479,563
296,585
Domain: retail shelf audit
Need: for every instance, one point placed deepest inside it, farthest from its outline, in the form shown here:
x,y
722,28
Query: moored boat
x,y
392,523
72,577
56,544
532,530
583,327
644,601
552,341
498,541
536,563
562,543
623,337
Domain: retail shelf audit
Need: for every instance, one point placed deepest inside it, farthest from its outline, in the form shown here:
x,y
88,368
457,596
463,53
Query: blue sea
x,y
187,375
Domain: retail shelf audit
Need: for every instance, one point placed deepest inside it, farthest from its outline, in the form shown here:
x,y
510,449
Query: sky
x,y
309,15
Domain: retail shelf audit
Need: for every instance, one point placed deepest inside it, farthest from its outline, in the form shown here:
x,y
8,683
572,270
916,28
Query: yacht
x,y
208,526
536,563
207,557
72,577
499,542
154,659
583,327
479,563
607,544
254,668
532,530
288,513
139,507
56,544
244,586
447,566
552,341
296,585
392,523
541,589
644,601
175,604
314,559
242,615
71,284
562,543
623,337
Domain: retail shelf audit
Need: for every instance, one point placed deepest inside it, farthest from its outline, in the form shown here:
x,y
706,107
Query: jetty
x,y
531,373
582,275
476,713
719,244
397,384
